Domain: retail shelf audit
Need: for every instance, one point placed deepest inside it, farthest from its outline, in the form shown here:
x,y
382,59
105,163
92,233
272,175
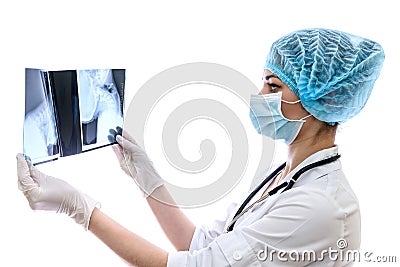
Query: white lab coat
x,y
306,222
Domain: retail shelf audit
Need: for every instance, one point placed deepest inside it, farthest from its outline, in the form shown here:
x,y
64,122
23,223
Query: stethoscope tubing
x,y
286,185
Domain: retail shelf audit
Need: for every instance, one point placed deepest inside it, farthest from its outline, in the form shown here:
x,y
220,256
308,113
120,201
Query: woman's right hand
x,y
45,192
135,163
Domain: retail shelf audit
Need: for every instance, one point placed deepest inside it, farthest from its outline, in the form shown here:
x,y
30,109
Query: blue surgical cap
x,y
332,72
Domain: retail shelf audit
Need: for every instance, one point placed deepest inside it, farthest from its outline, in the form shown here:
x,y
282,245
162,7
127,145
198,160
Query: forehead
x,y
269,74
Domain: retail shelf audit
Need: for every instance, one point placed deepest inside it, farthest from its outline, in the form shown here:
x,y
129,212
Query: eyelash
x,y
274,86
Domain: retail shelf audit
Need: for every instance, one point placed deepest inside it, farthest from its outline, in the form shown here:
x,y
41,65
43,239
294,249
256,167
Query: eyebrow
x,y
271,76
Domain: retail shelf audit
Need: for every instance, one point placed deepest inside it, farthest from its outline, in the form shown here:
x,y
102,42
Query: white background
x,y
150,37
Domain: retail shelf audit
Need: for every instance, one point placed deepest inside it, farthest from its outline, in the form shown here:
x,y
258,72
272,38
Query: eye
x,y
269,82
274,86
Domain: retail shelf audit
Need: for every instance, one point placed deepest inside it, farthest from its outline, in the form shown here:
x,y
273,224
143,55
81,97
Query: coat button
x,y
237,256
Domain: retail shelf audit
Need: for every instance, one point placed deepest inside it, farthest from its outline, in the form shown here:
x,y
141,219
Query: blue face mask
x,y
267,118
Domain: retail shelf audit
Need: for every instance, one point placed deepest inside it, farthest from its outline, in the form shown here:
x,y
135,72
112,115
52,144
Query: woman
x,y
303,213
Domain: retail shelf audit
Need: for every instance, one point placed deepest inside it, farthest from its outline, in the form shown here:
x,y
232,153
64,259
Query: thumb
x,y
127,144
128,137
25,181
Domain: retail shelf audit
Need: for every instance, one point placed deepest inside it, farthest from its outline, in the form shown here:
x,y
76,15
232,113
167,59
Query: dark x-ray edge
x,y
56,158
97,147
41,161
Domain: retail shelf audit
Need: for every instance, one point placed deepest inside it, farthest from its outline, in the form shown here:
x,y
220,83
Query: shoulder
x,y
307,215
326,199
309,201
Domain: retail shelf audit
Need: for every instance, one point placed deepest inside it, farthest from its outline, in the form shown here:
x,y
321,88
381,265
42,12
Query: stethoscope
x,y
286,185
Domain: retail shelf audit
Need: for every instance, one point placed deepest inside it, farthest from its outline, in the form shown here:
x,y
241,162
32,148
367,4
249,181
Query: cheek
x,y
293,112
288,95
290,111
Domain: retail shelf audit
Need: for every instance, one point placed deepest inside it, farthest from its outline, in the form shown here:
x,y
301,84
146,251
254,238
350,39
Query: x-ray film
x,y
71,111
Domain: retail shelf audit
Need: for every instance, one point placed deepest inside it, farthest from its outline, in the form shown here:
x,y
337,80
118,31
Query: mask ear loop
x,y
304,118
295,102
290,102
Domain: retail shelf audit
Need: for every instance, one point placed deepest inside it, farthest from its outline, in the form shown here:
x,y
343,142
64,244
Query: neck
x,y
305,146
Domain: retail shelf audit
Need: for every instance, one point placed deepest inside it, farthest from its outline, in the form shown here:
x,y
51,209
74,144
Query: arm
x,y
135,163
129,246
45,192
175,224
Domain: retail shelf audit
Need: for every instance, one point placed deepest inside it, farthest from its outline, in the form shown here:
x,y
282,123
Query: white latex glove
x,y
135,163
47,193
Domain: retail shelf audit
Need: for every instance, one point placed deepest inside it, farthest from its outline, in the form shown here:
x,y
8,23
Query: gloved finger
x,y
118,152
38,176
112,135
127,144
30,165
111,138
128,137
28,159
119,130
22,166
25,180
35,174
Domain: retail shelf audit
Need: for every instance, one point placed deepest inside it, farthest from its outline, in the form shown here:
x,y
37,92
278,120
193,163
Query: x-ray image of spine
x,y
100,105
39,133
40,137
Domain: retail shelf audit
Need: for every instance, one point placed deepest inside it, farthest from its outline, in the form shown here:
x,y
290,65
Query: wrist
x,y
84,210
